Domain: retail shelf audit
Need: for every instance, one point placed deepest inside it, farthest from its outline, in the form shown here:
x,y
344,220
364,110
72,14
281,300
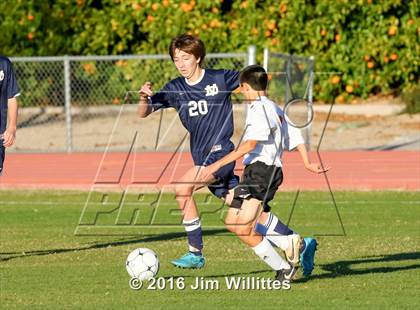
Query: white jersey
x,y
266,123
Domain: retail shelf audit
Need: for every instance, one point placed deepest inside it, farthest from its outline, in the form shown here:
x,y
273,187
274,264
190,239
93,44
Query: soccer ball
x,y
142,263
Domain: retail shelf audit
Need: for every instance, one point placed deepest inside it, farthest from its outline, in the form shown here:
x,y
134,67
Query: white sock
x,y
267,253
274,237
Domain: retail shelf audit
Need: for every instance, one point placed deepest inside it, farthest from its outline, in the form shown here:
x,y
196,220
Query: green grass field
x,y
44,265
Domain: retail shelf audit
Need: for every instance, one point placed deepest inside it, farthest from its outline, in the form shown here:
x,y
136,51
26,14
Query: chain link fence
x,y
291,77
71,103
78,104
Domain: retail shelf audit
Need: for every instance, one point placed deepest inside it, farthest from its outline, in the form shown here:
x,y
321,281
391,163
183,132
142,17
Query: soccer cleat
x,y
307,257
286,274
292,251
190,260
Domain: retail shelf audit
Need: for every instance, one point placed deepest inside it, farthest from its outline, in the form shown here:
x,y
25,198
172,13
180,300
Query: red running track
x,y
376,170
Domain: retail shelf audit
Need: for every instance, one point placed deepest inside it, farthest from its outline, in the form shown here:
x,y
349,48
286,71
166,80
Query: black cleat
x,y
286,274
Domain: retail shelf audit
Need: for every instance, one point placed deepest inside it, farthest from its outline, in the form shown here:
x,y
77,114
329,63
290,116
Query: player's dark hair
x,y
255,76
189,44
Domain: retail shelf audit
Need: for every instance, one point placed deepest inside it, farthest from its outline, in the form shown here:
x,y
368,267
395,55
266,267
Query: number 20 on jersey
x,y
196,108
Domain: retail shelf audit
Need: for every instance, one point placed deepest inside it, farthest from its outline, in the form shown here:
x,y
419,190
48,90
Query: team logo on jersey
x,y
1,75
211,90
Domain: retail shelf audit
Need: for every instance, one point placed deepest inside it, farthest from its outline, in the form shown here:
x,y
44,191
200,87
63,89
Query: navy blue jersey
x,y
8,89
205,110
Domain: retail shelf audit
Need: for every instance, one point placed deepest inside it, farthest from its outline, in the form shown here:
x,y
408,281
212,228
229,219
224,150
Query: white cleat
x,y
292,251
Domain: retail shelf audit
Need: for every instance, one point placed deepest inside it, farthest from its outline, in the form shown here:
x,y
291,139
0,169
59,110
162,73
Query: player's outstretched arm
x,y
9,135
313,167
243,149
145,108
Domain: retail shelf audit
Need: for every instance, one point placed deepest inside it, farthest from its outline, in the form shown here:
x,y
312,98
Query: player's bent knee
x,y
183,190
243,230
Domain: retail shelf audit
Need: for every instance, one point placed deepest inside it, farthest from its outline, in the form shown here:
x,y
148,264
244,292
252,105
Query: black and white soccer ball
x,y
142,264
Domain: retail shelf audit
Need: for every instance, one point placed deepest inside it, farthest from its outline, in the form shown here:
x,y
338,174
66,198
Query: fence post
x,y
266,57
310,100
252,51
67,103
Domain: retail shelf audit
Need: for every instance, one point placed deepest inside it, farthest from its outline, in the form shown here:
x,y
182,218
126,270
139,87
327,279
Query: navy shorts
x,y
2,155
3,118
226,179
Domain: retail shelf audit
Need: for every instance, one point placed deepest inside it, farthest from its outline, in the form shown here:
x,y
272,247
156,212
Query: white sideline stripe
x,y
4,202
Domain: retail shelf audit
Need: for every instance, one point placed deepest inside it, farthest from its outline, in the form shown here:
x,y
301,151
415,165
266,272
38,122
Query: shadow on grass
x,y
151,238
344,268
333,270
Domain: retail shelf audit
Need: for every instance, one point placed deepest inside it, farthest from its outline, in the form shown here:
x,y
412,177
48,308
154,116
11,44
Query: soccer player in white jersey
x,y
267,134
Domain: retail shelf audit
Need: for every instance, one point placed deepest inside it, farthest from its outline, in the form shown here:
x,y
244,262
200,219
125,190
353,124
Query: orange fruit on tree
x,y
392,31
89,68
271,25
283,8
340,99
214,23
394,56
370,64
349,89
136,6
121,63
186,7
335,79
366,57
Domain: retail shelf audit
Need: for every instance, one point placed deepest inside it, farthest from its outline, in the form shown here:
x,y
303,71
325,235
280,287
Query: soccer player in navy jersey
x,y
202,99
9,90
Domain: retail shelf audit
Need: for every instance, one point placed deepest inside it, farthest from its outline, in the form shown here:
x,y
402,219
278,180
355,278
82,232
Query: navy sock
x,y
282,229
279,227
195,236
